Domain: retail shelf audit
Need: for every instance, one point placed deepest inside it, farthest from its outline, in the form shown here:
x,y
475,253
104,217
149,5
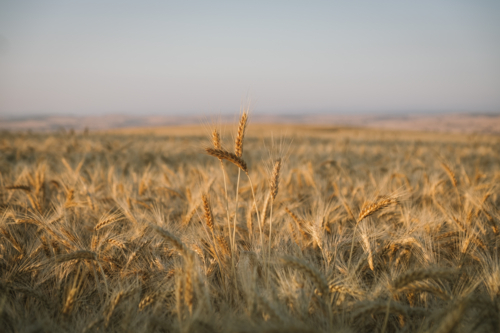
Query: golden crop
x,y
332,230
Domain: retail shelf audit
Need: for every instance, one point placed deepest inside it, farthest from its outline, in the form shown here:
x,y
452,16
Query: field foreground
x,y
330,230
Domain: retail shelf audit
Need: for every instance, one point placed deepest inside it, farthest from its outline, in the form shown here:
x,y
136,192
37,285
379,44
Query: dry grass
x,y
370,231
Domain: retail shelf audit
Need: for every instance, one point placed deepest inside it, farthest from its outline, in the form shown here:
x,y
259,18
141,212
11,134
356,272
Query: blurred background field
x,y
469,123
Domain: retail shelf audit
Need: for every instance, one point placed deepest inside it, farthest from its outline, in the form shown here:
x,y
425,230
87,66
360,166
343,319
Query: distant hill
x,y
453,123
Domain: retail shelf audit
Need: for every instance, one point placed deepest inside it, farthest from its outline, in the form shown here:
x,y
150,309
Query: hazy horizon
x,y
156,58
230,114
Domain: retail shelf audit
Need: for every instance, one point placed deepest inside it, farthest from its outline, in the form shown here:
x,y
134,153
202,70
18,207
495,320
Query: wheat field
x,y
239,229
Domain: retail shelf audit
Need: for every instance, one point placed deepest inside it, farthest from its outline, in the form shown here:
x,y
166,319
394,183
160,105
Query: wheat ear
x,y
375,207
216,139
77,255
146,301
422,286
450,173
70,196
116,243
224,245
364,213
453,180
209,219
70,301
298,222
275,178
366,241
106,220
238,144
188,290
18,187
225,155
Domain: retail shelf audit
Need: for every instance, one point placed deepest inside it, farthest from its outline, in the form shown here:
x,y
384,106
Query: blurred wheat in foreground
x,y
349,232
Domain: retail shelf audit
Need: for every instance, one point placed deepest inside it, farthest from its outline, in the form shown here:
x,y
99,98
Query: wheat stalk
x,y
176,242
77,255
18,187
217,145
452,318
265,208
309,270
271,310
249,219
112,307
418,275
380,307
273,192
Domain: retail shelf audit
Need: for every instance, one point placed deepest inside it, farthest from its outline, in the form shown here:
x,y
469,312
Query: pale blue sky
x,y
177,57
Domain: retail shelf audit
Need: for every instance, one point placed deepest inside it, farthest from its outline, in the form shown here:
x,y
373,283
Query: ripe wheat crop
x,y
349,231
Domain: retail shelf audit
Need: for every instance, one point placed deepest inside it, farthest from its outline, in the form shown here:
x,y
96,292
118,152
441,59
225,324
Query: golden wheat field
x,y
273,229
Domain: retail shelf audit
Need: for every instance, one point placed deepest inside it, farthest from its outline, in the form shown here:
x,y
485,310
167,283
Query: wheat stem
x,y
233,245
256,210
227,201
217,145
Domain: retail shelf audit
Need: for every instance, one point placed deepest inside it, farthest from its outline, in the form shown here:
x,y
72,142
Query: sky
x,y
192,57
